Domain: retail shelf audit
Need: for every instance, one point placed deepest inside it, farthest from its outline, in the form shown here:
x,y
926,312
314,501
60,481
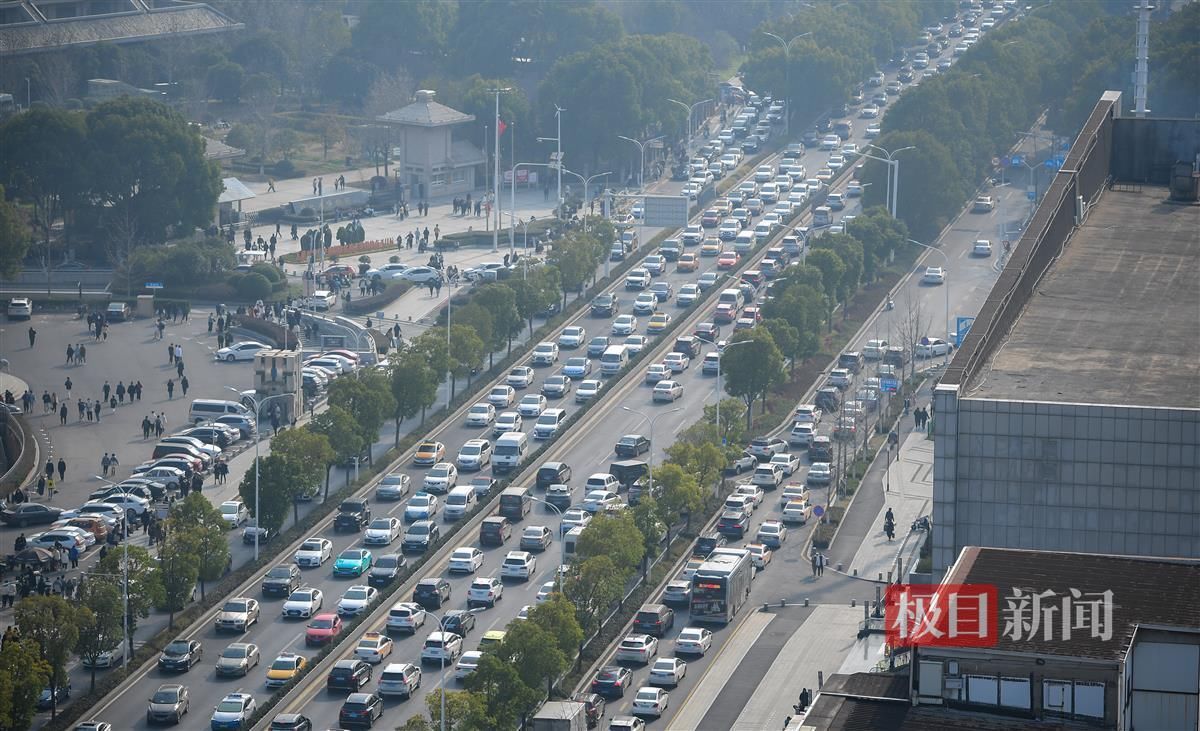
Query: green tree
x,y
465,711
23,675
425,26
751,370
277,486
414,387
647,516
934,188
180,570
309,452
833,270
786,338
101,623
145,582
14,239
680,480
431,345
42,150
505,695
575,259
557,617
802,306
197,526
479,321
500,300
594,588
345,437
615,535
369,397
51,623
225,81
535,293
466,352
535,654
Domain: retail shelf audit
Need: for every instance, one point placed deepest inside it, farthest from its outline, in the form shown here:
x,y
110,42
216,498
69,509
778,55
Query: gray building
x,y
436,158
1070,418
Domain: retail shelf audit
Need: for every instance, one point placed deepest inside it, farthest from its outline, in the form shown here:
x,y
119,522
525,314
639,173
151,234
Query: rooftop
x,y
425,112
1114,320
1137,585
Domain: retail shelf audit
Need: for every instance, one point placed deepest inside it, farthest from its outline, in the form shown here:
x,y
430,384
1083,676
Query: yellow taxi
x,y
429,453
687,262
285,667
723,206
710,247
658,322
491,638
373,647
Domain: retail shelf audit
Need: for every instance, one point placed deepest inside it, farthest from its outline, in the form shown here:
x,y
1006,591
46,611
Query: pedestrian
x,y
70,354
53,401
32,336
67,384
159,425
104,465
88,406
98,406
41,487
821,561
171,353
62,414
183,384
62,469
112,402
270,185
170,389
211,322
121,391
178,368
178,352
138,390
46,398
107,390
81,354
82,408
73,555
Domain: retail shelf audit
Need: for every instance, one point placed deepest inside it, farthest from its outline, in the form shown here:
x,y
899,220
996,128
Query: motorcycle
x,y
920,524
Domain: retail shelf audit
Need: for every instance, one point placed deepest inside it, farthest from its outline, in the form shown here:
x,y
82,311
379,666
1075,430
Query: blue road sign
x,y
1016,161
1031,195
1006,161
962,326
154,285
890,384
818,511
1065,146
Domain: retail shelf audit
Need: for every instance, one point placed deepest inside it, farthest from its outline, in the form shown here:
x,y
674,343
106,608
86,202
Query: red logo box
x,y
945,615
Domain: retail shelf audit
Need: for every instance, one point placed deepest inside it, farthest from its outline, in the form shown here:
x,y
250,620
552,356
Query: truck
x,y
560,716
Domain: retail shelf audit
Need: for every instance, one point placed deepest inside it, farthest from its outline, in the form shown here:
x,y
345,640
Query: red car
x,y
322,629
725,314
710,218
728,260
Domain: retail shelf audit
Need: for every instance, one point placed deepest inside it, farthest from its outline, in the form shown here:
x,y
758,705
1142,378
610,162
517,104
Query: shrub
x,y
270,271
286,169
252,286
369,305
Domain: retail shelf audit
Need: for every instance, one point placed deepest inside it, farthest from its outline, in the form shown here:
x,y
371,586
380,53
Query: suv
x,y
353,515
494,531
689,345
708,543
348,675
553,473
654,619
605,305
432,593
281,580
820,449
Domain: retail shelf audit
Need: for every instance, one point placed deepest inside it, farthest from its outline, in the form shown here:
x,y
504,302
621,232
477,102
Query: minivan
x,y
494,531
515,503
615,358
548,423
552,473
654,619
459,502
509,452
732,297
743,243
209,409
852,360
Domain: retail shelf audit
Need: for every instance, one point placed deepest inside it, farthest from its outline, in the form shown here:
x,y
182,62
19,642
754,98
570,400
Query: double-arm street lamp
x,y
558,158
691,110
641,150
442,690
893,190
126,651
651,420
945,286
257,414
787,77
720,393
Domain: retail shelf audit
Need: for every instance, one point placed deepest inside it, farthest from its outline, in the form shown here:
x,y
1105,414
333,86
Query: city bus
x,y
721,586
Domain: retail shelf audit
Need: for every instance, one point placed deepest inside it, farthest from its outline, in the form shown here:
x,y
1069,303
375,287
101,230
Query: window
x,y
1014,693
982,689
437,180
459,176
1089,699
1056,696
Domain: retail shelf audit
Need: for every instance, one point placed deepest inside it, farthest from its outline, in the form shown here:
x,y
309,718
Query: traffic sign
x,y
1006,161
962,326
665,211
1031,195
154,285
1016,161
890,384
818,511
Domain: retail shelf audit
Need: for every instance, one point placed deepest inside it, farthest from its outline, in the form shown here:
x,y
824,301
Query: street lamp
x,y
893,192
719,391
496,172
642,151
257,413
442,690
787,77
126,651
647,417
562,544
586,183
558,155
945,285
691,110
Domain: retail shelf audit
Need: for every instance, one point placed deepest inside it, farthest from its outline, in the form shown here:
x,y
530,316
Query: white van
x,y
743,243
569,541
614,359
548,423
459,502
732,297
822,216
209,409
510,451
321,300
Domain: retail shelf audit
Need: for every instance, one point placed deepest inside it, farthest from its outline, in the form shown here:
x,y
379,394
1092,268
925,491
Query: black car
x,y
828,399
459,621
733,524
431,593
290,722
552,473
594,707
353,516
180,655
689,345
281,580
632,445
811,138
670,250
46,699
386,568
420,536
29,514
348,675
361,709
612,681
708,543
605,305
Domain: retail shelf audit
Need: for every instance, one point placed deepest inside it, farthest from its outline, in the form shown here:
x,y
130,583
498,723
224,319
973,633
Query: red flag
x,y
501,126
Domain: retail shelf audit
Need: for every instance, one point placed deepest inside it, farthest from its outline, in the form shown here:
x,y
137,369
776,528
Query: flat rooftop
x,y
1116,320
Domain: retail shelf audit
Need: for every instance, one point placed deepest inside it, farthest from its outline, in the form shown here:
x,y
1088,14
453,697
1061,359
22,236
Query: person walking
x,y
62,414
170,389
170,352
67,385
179,368
107,389
81,354
104,465
821,561
82,408
814,559
49,468
73,556
32,337
62,469
98,407
183,384
70,353
121,392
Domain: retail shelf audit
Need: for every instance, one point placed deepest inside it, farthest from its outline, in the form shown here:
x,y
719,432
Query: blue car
x,y
353,562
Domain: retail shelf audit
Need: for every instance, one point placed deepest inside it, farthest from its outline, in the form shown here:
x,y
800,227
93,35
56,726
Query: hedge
x,y
394,290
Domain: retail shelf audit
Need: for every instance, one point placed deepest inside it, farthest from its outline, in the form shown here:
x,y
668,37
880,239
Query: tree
x,y
465,711
557,617
912,327
225,81
614,535
647,517
197,527
466,353
571,257
14,239
414,387
388,92
802,306
751,370
101,624
786,338
832,269
309,452
277,486
41,149
595,587
535,293
501,302
23,675
145,582
535,654
505,695
479,321
345,437
50,622
680,480
431,345
424,26
180,569
369,397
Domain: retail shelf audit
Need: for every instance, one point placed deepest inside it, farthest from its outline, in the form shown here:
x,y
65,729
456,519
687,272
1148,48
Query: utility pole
x,y
496,171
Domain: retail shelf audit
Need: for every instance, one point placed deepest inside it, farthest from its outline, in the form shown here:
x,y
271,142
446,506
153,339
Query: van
x,y
509,452
851,360
321,300
601,481
459,502
569,542
494,531
732,297
552,473
743,243
822,216
548,423
209,409
628,472
117,312
515,503
615,358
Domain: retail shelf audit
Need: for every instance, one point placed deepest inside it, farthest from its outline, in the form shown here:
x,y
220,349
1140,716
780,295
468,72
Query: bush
x,y
286,169
252,286
368,305
270,271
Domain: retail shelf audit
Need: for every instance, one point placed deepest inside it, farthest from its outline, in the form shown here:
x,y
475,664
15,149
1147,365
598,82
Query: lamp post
x,y
945,285
642,150
787,77
893,191
586,184
257,413
647,417
719,391
558,155
125,649
691,110
442,690
496,171
562,544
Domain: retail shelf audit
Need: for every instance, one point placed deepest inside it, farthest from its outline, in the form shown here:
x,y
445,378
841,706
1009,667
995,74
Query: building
x,y
435,157
1069,420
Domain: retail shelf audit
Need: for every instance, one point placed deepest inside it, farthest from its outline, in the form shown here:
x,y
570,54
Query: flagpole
x,y
512,239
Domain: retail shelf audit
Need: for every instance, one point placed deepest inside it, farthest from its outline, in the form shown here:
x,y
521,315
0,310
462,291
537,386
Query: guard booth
x,y
277,373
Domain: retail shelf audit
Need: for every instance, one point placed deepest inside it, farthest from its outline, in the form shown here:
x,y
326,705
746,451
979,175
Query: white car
x,y
667,671
520,377
545,353
656,372
355,599
484,592
441,479
645,304
421,506
244,350
760,555
587,390
406,617
467,664
693,641
532,404
982,247
502,396
233,711
873,130
441,647
796,511
507,421
934,275
820,473
772,534
313,552
789,462
753,492
374,648
466,560
518,565
801,434
303,603
598,500
636,648
474,455
382,531
572,337
624,325
668,390
740,504
574,518
688,294
932,348
577,367
677,362
635,343
481,414
421,275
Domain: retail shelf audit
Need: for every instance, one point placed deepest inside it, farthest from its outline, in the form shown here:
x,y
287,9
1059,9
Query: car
x,y
481,414
20,308
169,703
474,455
655,264
410,616
728,260
667,671
545,591
393,486
421,275
658,322
532,405
982,248
932,348
442,647
624,325
645,304
631,446
733,523
502,396
233,712
536,538
348,675
519,377
508,421
656,372
605,305
934,275
677,362
30,514
650,702
484,591
577,368
285,667
574,518
429,453
693,641
353,562
401,679
771,533
760,555
801,434
303,603
465,560
422,506
600,500
382,531
587,390
753,493
545,353
519,564
596,347
764,448
556,386
237,659
796,511
638,648
667,391
467,664
740,504
819,473
242,350
237,614
356,599
441,479
386,569
572,337
180,655
789,462
662,291
983,204
611,681
420,536
374,647
281,580
687,262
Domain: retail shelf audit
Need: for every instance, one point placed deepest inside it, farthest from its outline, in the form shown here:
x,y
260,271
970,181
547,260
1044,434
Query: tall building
x,y
1070,418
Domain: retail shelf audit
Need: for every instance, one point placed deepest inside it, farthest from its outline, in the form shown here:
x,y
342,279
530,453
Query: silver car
x,y
168,704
